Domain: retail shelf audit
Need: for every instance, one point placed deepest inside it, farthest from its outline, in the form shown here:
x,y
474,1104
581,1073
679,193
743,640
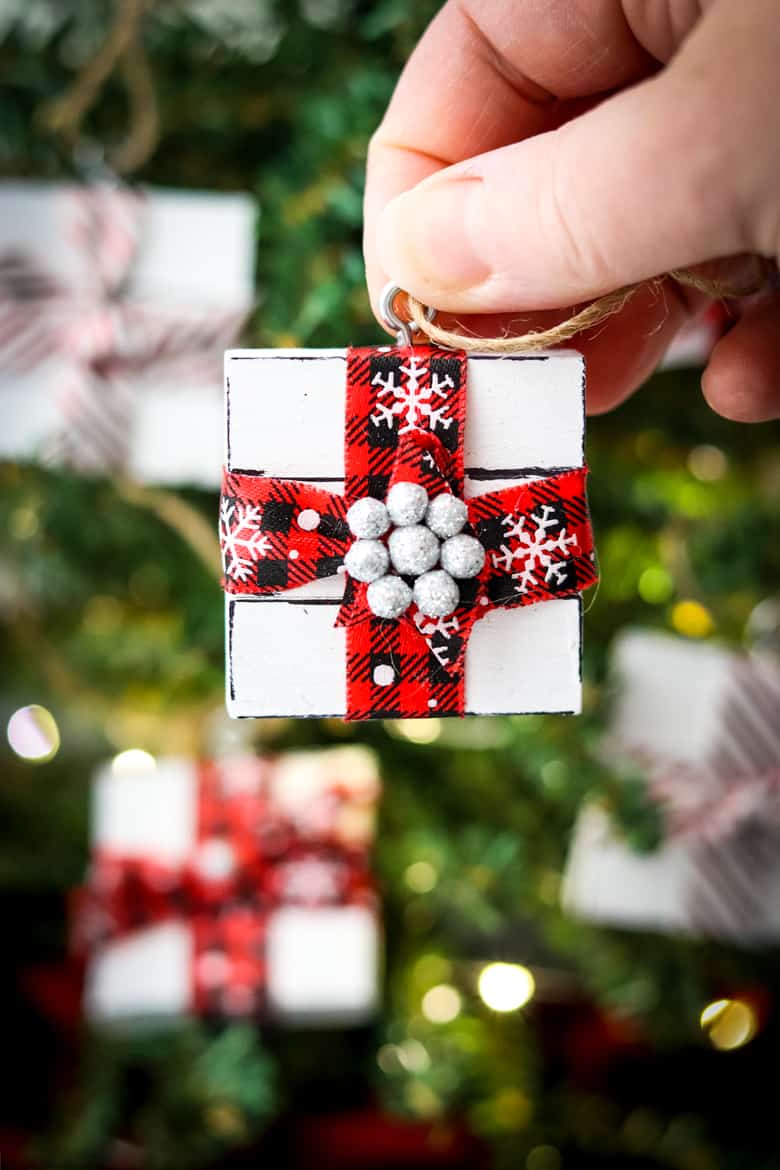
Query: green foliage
x,y
113,619
182,1096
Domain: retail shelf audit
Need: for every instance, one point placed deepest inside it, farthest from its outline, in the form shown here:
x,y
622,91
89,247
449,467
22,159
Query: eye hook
x,y
404,330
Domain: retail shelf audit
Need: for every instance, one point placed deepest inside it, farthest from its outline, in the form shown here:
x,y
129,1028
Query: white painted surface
x,y
521,412
177,436
195,249
147,814
669,701
519,661
606,881
146,974
285,418
667,691
323,963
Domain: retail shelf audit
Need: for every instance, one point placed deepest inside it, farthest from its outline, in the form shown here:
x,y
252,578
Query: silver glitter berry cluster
x,y
411,535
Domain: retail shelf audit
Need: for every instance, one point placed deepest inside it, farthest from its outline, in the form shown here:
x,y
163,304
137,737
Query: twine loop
x,y
421,319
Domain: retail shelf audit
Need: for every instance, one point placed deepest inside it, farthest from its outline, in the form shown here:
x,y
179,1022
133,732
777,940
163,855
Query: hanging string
x,y
121,50
588,317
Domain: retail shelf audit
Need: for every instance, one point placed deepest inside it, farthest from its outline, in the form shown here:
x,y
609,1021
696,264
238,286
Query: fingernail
x,y
426,237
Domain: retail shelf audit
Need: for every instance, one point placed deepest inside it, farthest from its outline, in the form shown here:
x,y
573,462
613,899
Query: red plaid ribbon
x,y
248,861
405,420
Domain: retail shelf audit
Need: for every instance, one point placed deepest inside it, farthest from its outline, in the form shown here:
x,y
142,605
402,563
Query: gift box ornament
x,y
235,888
115,304
703,725
404,532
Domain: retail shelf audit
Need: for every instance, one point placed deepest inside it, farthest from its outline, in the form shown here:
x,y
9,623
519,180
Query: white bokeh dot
x,y
384,675
308,519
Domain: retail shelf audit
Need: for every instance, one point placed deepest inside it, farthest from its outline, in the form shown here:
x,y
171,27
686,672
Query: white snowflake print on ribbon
x,y
243,541
445,627
528,550
412,402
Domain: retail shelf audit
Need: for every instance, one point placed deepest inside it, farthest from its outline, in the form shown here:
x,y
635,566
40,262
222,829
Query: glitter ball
x,y
462,556
368,518
406,503
388,597
413,550
436,594
446,515
366,560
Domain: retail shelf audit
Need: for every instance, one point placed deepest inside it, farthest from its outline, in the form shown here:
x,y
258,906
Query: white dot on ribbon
x,y
308,519
384,676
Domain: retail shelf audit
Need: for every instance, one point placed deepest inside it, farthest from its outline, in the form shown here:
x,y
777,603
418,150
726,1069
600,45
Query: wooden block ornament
x,y
404,532
232,888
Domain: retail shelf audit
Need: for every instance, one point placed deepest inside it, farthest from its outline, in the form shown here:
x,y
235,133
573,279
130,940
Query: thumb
x,y
662,176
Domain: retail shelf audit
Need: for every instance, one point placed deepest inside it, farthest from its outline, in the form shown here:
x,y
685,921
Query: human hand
x,y
539,153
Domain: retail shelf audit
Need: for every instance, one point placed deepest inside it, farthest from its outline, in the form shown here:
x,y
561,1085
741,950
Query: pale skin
x,y
539,153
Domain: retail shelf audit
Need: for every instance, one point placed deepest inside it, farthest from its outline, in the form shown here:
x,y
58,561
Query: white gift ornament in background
x,y
703,724
115,307
319,957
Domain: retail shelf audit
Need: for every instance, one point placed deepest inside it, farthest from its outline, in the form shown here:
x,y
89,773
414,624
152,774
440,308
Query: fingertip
x,y
742,379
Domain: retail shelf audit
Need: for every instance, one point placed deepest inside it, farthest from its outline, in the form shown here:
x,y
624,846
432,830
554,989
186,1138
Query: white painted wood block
x,y
322,967
196,250
285,419
323,964
142,813
146,975
708,712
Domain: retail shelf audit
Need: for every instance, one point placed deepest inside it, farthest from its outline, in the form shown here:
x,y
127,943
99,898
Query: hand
x,y
539,153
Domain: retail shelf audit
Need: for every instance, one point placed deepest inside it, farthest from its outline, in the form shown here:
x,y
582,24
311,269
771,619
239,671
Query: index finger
x,y
484,75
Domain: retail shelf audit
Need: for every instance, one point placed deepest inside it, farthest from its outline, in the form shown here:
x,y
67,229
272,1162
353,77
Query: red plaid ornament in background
x,y
234,888
412,587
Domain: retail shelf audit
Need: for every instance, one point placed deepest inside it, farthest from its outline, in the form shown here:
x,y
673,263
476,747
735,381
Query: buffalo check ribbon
x,y
248,860
405,421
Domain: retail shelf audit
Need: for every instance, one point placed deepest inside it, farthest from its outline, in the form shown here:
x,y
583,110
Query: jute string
x,y
122,50
584,319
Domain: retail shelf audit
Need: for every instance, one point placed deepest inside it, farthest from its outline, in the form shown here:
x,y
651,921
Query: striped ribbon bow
x,y
726,808
108,344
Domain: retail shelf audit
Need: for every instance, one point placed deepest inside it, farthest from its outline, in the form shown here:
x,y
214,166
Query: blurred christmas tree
x,y
112,619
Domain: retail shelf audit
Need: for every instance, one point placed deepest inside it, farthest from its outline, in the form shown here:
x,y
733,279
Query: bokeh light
x,y
441,1004
655,586
692,619
729,1023
132,762
413,1056
707,463
416,730
505,987
421,877
543,1158
33,734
